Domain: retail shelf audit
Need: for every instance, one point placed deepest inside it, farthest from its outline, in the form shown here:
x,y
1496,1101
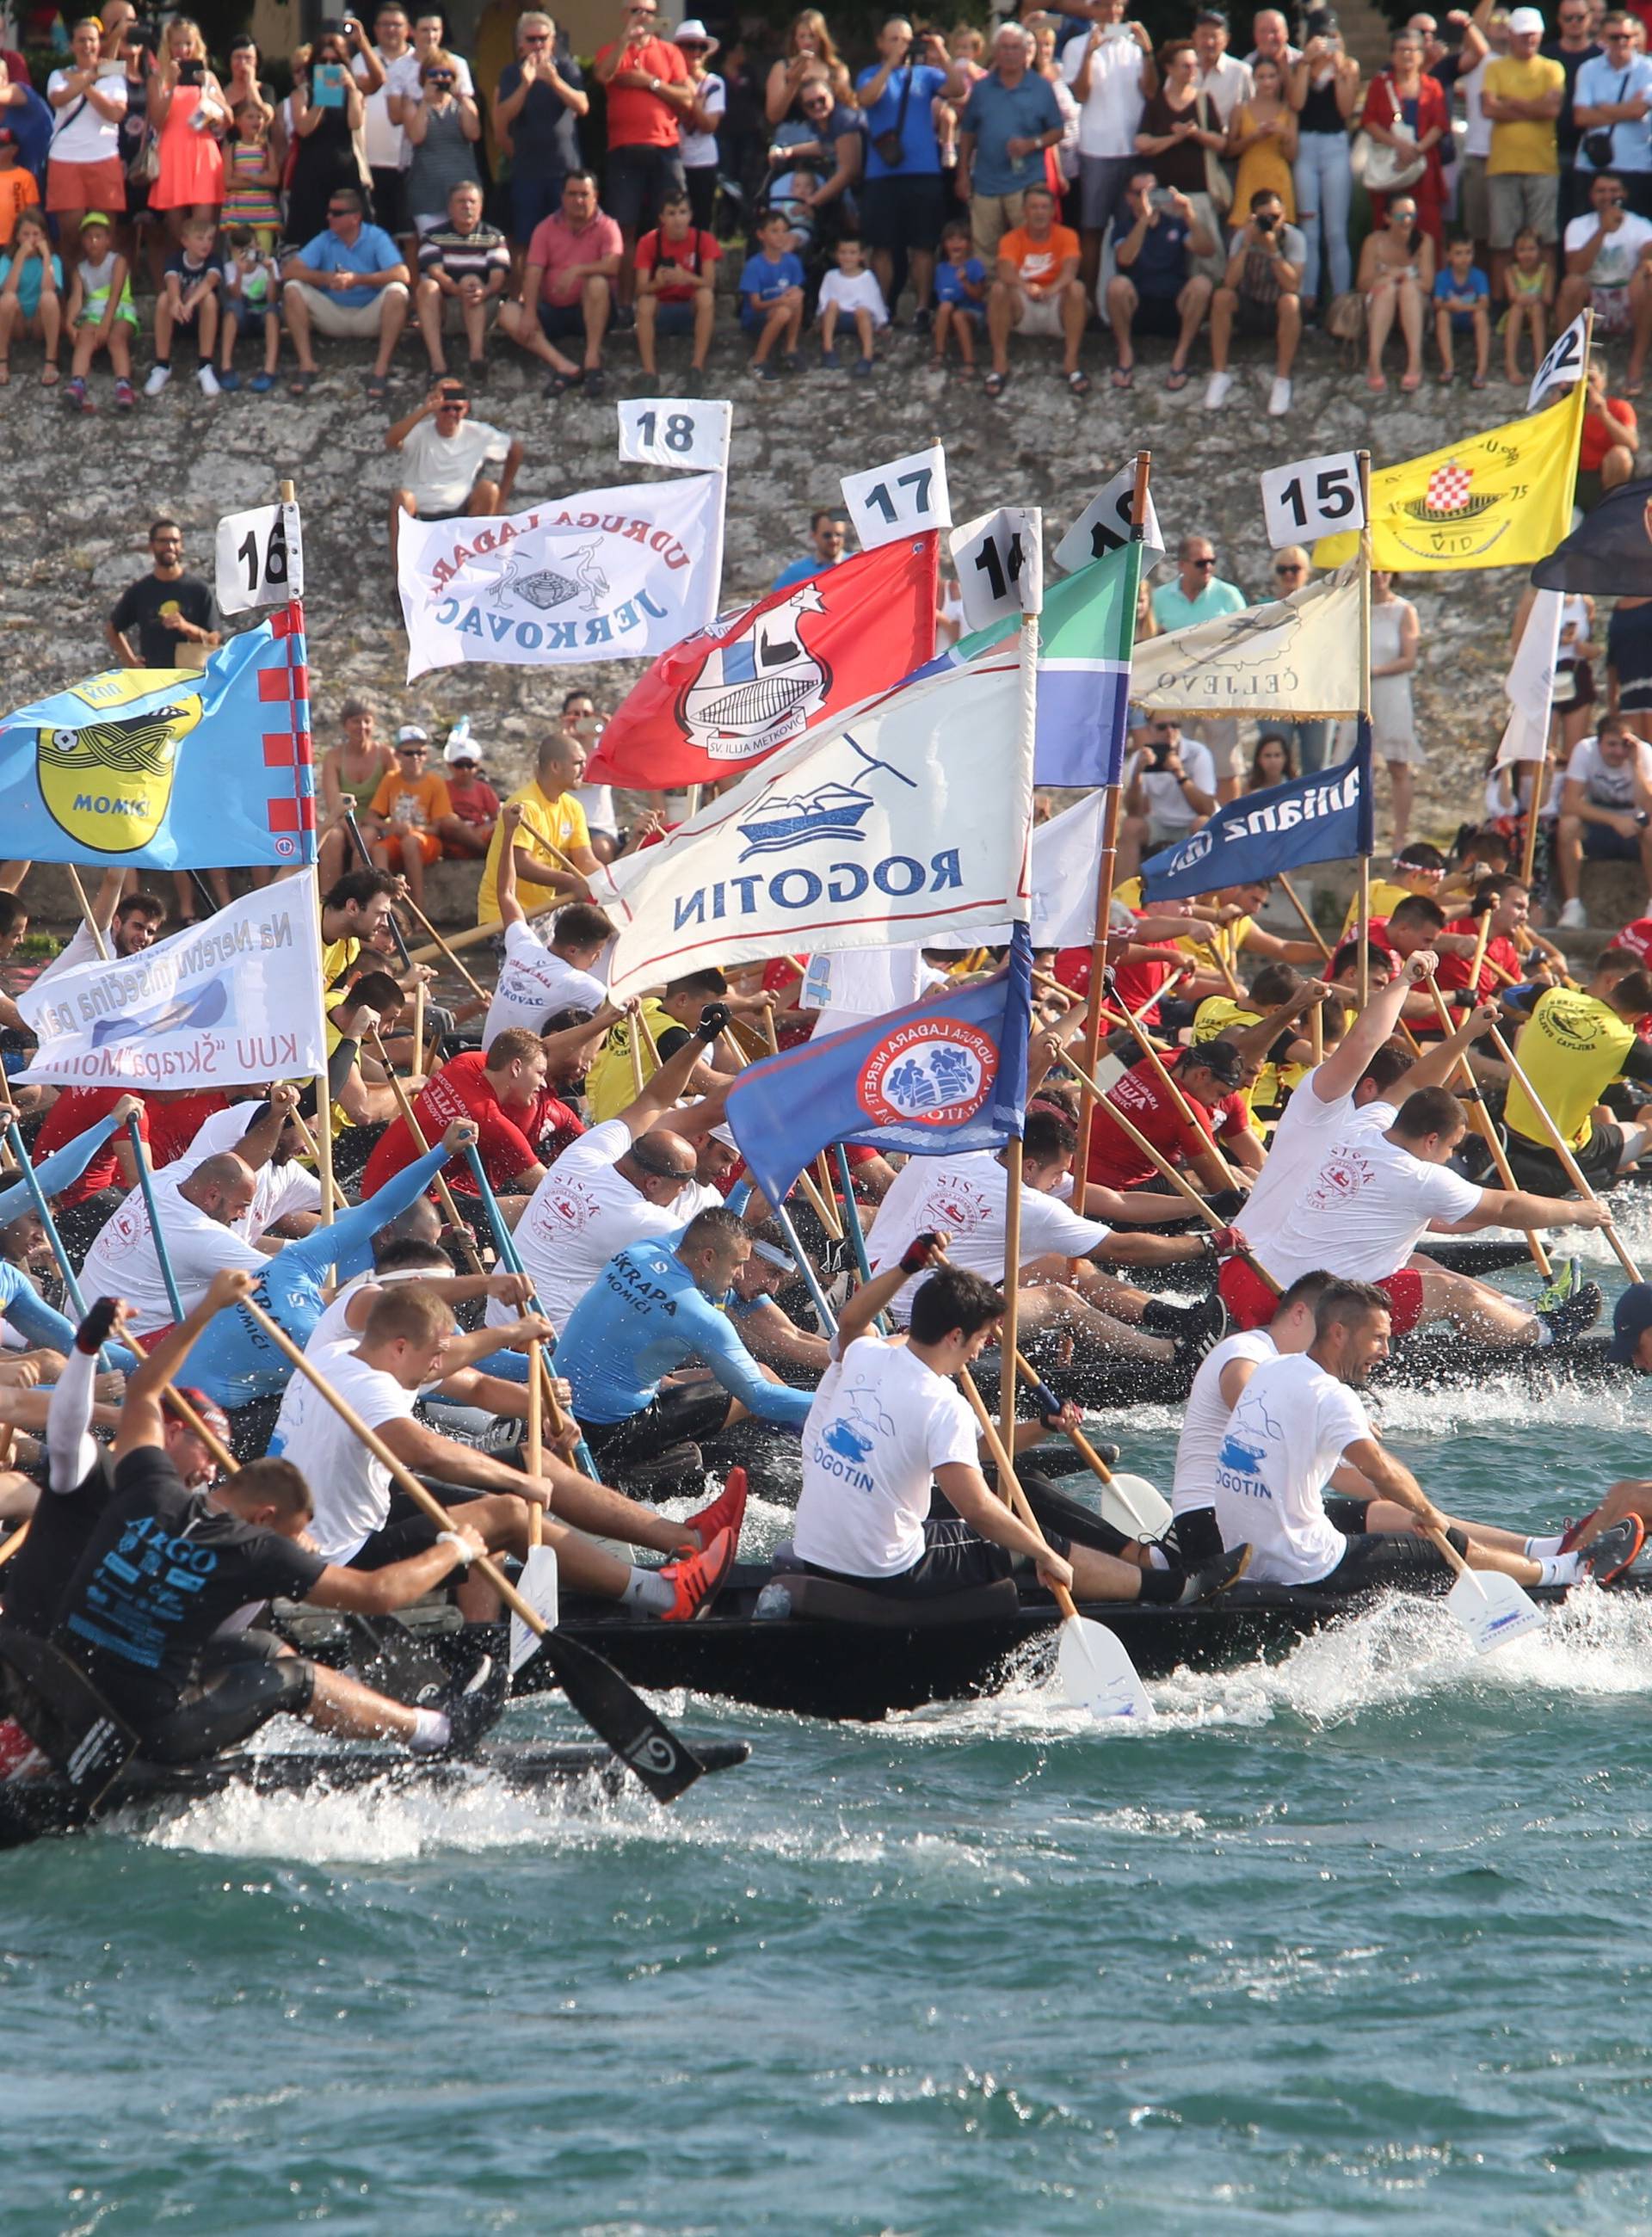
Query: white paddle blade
x,y
1492,1609
1098,1675
537,1585
1130,1503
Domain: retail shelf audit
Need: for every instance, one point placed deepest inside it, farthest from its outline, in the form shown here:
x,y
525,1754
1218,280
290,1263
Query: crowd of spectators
x,y
1067,178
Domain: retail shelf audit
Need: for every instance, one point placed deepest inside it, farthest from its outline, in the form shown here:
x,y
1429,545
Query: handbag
x,y
1597,145
145,167
890,145
1218,185
1385,170
1346,319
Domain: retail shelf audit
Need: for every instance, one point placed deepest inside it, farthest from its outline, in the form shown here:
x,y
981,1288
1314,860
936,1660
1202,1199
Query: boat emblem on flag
x,y
784,819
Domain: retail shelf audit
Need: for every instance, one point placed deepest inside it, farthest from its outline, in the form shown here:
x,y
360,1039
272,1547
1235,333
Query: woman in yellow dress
x,y
1262,139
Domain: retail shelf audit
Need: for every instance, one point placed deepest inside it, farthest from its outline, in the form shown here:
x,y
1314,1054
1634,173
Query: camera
x,y
1266,219
144,32
192,71
1162,749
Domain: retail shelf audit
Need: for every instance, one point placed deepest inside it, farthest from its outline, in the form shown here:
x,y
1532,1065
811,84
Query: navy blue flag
x,y
1608,554
945,1073
1322,818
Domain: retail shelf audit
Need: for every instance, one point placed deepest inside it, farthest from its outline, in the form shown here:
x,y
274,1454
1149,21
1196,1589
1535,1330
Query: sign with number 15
x,y
1315,497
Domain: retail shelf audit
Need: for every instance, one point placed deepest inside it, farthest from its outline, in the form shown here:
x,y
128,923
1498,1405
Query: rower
x,y
537,978
83,1204
263,1135
1630,1498
363,1523
1417,869
967,1193
504,1093
1211,1078
1296,1420
655,1306
888,1422
199,1222
767,1332
1572,1046
672,1021
353,911
171,1661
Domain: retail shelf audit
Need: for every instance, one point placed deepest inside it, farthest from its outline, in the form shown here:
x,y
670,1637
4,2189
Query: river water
x,y
1354,1942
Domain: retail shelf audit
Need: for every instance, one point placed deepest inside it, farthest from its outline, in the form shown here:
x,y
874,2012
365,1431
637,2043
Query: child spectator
x,y
1463,306
31,285
101,316
960,297
189,302
251,177
851,292
772,296
18,188
475,804
1529,289
251,295
676,281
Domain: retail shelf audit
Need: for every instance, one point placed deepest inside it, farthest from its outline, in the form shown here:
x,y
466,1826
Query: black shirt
x,y
33,1580
162,1570
1567,131
138,614
545,134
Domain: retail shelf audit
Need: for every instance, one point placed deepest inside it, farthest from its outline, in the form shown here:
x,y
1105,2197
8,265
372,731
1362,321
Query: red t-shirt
x,y
637,118
507,1140
1115,1162
76,1109
695,252
1454,969
1602,431
174,1120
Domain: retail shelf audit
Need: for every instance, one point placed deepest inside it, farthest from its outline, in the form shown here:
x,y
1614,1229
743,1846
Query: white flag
x,y
614,574
1295,656
1530,685
1104,526
1563,365
232,1001
1061,910
906,823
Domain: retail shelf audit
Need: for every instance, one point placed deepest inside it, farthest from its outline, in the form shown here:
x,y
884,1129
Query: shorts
x,y
1156,315
1602,844
1517,199
637,181
407,1529
680,1413
1535,1167
1613,312
1041,319
1375,1559
71,187
1102,180
991,217
900,213
975,313
1462,323
1251,317
955,1560
754,319
561,322
1195,1538
533,199
1252,1304
344,323
390,200
673,318
430,847
453,313
240,1682
1474,214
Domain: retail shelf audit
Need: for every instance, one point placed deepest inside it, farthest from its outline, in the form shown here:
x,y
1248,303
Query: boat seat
x,y
824,1600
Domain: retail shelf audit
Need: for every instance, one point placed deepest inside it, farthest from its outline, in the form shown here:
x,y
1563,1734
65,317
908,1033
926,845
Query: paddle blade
x,y
666,1765
1133,1505
537,1585
1492,1609
1098,1675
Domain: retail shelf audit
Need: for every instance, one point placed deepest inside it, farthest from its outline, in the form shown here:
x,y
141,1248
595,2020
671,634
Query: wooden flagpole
x,y
1366,547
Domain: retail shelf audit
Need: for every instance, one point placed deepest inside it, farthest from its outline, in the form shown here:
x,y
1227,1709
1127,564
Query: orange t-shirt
x,y
417,807
637,118
1038,261
17,192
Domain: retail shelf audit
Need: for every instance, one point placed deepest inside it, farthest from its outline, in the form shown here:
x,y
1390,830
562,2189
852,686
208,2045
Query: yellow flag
x,y
1501,499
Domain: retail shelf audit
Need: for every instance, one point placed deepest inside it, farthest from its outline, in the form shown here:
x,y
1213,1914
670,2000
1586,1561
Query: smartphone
x,y
1162,198
327,85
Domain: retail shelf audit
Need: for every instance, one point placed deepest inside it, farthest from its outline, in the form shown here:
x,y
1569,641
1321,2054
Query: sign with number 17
x,y
903,499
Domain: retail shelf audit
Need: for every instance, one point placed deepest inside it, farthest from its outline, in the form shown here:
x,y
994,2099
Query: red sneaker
x,y
1574,1531
726,1512
698,1580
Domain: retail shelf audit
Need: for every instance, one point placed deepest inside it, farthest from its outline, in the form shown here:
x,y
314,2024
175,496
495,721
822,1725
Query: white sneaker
x,y
1279,398
159,376
1216,393
208,380
1573,917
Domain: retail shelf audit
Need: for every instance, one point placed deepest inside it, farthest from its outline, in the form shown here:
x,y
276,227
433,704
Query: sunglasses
x,y
412,753
1287,571
1201,563
342,213
438,77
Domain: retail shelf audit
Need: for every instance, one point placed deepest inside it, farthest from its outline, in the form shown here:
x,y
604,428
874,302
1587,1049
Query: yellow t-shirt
x,y
611,1084
1385,898
560,823
1569,1048
1221,942
1529,146
337,956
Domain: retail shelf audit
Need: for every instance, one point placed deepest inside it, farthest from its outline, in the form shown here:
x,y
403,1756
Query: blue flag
x,y
946,1073
167,768
1322,818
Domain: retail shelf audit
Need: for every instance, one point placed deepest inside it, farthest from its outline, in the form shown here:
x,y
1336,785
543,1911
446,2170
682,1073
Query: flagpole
x,y
1540,775
1107,861
1366,548
1008,1335
92,925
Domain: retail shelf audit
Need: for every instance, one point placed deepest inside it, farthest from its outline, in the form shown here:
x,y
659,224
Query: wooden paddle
x,y
1563,1150
665,1762
1184,1109
460,1227
1141,1500
415,911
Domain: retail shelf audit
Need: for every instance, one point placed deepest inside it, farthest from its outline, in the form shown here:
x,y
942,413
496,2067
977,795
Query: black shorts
x,y
955,1560
390,201
902,213
635,182
408,1530
240,1682
1535,1167
683,1413
1251,317
1193,1534
1377,1560
1156,315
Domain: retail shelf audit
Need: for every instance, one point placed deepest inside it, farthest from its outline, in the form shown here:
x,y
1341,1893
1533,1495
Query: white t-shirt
x,y
881,1425
388,144
1618,254
122,1262
81,948
1110,118
90,138
1476,141
1205,1422
967,1196
441,470
852,292
1604,786
1358,1208
1169,805
582,1212
699,149
1304,1127
333,1327
277,1190
1293,1424
350,1487
1227,81
533,984
597,801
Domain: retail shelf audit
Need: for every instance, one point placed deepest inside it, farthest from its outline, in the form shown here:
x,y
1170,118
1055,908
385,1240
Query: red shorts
x,y
1251,1303
75,187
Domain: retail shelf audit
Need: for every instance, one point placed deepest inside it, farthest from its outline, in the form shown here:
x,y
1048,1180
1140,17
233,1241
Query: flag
x,y
1608,554
221,1003
613,574
1295,656
906,823
943,1075
1064,853
1530,685
728,694
170,769
1501,499
1323,818
1566,360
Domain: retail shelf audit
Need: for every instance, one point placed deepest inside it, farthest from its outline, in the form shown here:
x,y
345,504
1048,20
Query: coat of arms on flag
x,y
758,688
1447,494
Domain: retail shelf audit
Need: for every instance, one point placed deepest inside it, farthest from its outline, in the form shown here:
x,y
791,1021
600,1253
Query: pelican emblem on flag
x,y
107,781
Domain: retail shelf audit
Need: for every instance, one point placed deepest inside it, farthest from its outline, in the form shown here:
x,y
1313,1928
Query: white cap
x,y
1527,19
461,750
722,1134
411,735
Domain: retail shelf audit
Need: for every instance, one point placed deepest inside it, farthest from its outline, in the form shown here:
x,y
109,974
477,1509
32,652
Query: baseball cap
x,y
1636,939
1221,1060
1527,19
1631,1317
210,1412
461,750
411,735
95,217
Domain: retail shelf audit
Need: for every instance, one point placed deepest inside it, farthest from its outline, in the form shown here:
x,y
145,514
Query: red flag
x,y
725,697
